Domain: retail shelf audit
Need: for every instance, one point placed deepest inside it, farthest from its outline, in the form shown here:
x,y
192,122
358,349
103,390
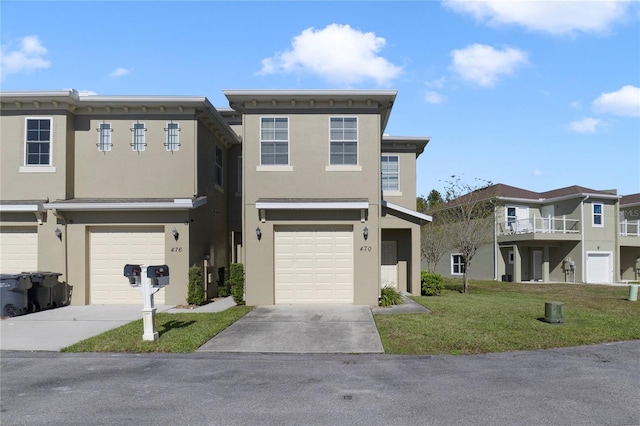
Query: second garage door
x,y
313,265
111,249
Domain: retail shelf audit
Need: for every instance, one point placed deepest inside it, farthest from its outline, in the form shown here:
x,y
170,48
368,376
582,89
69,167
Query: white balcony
x,y
540,225
630,228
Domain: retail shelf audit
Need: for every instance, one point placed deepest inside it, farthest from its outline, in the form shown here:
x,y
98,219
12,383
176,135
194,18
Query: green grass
x,y
499,317
183,332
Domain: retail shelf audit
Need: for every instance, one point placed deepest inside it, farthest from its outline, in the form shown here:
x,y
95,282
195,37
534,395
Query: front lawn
x,y
499,317
182,332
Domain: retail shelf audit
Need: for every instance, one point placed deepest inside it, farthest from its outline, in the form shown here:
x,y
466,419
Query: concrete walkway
x,y
301,329
54,329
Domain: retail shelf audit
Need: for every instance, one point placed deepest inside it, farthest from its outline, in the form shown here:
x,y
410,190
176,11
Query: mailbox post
x,y
148,279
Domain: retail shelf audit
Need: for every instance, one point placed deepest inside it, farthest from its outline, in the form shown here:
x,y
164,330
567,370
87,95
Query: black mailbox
x,y
133,272
159,275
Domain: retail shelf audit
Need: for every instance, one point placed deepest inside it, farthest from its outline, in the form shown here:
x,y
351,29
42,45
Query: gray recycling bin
x,y
41,293
14,294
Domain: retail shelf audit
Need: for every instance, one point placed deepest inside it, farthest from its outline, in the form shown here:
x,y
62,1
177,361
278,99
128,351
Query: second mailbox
x,y
159,275
133,273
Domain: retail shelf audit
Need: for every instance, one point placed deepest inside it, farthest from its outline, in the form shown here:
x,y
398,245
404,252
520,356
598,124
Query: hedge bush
x,y
236,282
432,283
195,288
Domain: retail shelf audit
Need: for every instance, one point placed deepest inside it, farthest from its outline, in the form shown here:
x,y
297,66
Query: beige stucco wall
x,y
21,185
124,173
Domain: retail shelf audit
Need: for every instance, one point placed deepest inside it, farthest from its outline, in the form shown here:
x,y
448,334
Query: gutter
x,y
582,248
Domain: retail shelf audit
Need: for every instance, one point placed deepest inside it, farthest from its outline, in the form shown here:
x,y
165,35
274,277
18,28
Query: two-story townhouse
x,y
90,183
630,237
316,175
563,235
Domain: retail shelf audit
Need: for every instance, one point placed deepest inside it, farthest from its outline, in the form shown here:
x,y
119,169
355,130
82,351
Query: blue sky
x,y
538,95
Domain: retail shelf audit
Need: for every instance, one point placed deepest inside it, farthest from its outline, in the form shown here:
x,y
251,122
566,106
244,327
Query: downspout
x,y
59,215
583,252
495,244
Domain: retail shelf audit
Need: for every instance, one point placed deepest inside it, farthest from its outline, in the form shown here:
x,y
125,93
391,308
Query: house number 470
x,y
365,248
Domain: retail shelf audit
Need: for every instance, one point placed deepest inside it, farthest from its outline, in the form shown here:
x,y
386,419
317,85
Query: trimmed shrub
x,y
390,296
195,290
236,282
432,283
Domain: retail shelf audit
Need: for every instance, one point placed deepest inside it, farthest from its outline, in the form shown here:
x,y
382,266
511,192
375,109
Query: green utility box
x,y
554,312
633,292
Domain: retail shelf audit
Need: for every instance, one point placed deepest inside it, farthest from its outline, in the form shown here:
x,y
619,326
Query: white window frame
x,y
276,167
102,146
460,264
138,139
172,146
219,167
594,215
343,167
43,167
390,191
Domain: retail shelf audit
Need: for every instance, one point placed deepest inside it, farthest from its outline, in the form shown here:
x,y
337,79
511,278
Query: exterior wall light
x,y
58,233
258,233
175,233
365,233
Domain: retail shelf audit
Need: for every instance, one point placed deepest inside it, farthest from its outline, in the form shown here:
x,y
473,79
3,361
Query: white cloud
x,y
119,72
537,172
439,83
624,102
28,57
337,53
586,125
483,64
434,98
555,17
575,104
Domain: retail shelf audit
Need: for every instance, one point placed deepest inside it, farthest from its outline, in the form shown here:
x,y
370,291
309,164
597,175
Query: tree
x,y
468,217
434,240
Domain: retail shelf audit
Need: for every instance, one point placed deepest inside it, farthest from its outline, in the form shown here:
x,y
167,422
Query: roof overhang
x,y
25,207
415,144
423,218
127,205
562,198
331,204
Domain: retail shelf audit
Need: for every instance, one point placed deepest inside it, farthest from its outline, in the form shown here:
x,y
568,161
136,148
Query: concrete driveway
x,y
301,329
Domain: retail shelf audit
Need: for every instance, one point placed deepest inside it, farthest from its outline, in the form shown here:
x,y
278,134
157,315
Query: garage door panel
x,y
110,251
313,265
599,268
18,250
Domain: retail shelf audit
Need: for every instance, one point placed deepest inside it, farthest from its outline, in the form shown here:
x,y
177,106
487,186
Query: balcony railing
x,y
540,225
630,228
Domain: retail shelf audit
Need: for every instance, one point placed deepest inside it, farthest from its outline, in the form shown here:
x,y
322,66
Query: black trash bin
x,y
14,294
41,293
61,294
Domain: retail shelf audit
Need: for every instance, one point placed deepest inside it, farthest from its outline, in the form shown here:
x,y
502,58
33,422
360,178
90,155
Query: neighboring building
x,y
328,201
90,183
571,234
300,186
630,237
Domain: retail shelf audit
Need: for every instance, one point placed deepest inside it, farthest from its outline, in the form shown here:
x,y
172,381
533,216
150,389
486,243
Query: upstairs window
x,y
173,140
104,137
274,141
343,141
137,137
38,142
598,215
457,265
219,168
390,173
511,216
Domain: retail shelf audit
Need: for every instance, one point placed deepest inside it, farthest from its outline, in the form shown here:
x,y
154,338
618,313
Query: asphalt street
x,y
589,385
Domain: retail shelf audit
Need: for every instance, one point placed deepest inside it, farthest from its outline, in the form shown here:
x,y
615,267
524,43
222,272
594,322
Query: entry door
x,y
389,264
547,218
537,265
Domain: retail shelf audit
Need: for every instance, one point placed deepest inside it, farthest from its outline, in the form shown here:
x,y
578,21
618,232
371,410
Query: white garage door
x,y
111,249
599,269
18,250
313,265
